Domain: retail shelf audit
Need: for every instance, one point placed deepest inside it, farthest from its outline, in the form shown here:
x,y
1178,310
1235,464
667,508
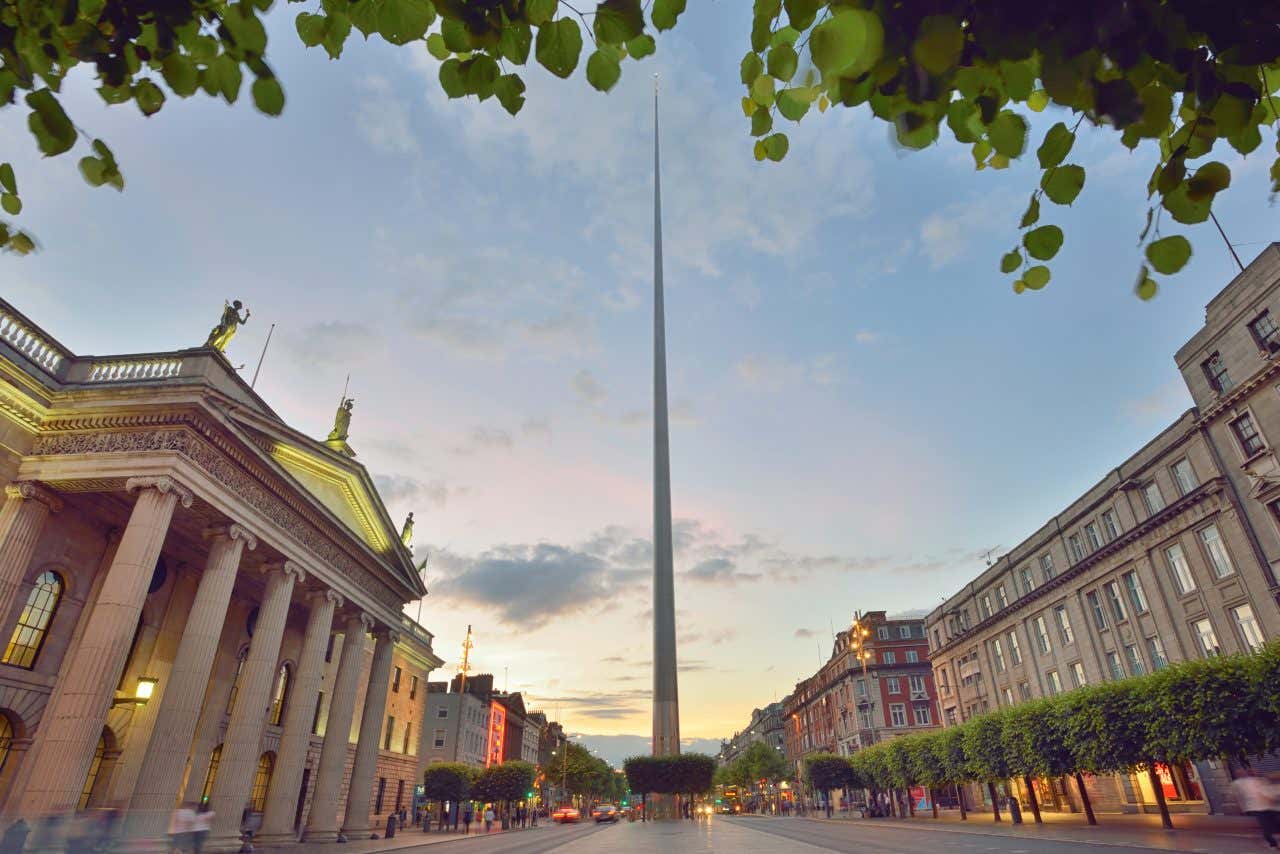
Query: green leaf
x,y
149,97
310,28
759,151
793,103
1044,242
761,122
1185,209
180,73
665,12
1056,146
783,62
1011,261
1032,216
558,46
12,204
800,13
93,170
603,69
1145,287
403,21
981,151
540,12
618,21
245,28
1038,100
1063,183
7,180
1036,277
775,146
939,44
1019,286
451,78
1008,133
479,73
850,41
784,35
641,46
751,68
436,47
509,90
268,96
53,131
1211,178
1169,254
228,75
336,29
455,35
762,90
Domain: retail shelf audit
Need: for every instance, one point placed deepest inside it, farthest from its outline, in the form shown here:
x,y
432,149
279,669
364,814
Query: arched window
x,y
280,696
211,774
6,739
235,683
94,767
261,780
33,622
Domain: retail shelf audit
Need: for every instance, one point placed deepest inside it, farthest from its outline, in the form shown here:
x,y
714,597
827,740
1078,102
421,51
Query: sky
x,y
861,407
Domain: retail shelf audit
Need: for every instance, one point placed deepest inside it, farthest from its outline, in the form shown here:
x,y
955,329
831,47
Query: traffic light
x,y
528,794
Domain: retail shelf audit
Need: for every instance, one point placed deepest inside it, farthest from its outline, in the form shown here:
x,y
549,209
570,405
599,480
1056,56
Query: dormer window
x,y
1215,370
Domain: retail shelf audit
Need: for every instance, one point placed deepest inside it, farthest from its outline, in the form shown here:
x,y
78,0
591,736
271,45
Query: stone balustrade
x,y
135,369
24,338
413,628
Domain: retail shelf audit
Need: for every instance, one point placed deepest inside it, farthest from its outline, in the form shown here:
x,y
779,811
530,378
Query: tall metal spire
x,y
666,704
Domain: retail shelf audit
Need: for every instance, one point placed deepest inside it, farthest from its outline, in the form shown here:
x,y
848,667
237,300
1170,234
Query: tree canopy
x,y
1187,77
447,781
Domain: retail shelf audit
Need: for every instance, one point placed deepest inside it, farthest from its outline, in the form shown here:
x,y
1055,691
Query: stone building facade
x,y
765,726
473,724
1170,556
165,535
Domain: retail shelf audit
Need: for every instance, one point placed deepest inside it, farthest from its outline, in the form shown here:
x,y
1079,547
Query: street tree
x,y
984,754
826,771
447,782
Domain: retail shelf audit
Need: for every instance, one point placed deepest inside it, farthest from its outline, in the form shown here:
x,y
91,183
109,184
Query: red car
x,y
566,815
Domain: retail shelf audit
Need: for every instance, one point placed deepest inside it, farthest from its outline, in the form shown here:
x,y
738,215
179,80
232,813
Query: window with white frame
x,y
1208,639
1265,332
913,657
1008,696
904,632
1215,371
1054,681
1180,569
916,684
922,716
1024,690
997,654
1184,476
1095,608
1154,500
894,687
438,739
1077,549
1247,626
1110,524
1064,625
883,633
1028,581
1046,566
1015,651
888,657
1001,597
1042,635
898,714
986,606
1115,666
1091,534
1248,436
862,686
1137,598
1217,551
1077,675
1134,655
1115,600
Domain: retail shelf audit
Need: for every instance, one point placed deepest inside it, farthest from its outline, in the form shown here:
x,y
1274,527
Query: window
x,y
1064,625
1077,550
1218,557
1155,649
1250,634
1215,371
1054,682
986,606
1024,690
391,725
382,790
1154,500
399,794
1250,440
6,740
898,714
442,713
1077,676
1028,581
904,632
1180,569
913,657
1046,566
861,686
211,774
937,639
1042,635
1001,597
1131,652
998,654
261,781
883,633
1015,651
1208,640
1115,601
916,684
413,687
1136,597
1264,331
235,682
1091,534
315,718
1095,608
438,739
888,657
395,679
894,686
922,716
279,696
1184,476
408,728
33,622
1114,665
1110,525
328,649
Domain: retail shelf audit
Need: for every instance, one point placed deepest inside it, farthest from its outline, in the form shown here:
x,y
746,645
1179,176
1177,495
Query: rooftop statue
x,y
406,533
342,421
222,334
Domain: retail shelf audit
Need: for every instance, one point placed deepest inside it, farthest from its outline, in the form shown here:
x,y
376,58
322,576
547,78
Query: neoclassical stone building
x,y
165,534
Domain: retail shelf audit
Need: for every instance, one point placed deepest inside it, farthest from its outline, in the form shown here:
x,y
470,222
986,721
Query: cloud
x,y
949,234
383,119
774,373
396,489
866,336
484,438
910,614
719,570
806,633
536,427
1165,403
588,389
335,341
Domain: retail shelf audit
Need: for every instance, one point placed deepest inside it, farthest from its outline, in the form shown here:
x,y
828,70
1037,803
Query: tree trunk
x,y
911,802
933,799
644,806
1084,799
995,801
1160,801
1031,797
964,814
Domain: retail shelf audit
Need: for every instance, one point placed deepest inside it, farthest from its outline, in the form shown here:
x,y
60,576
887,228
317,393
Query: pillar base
x,y
227,843
277,838
319,837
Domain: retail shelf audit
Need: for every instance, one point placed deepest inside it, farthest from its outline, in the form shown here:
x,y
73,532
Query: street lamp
x,y
857,642
145,688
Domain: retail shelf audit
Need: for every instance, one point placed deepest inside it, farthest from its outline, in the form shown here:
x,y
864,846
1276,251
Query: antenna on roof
x,y
265,345
988,553
1230,248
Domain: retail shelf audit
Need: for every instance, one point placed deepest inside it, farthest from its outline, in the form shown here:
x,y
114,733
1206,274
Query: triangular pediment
x,y
337,488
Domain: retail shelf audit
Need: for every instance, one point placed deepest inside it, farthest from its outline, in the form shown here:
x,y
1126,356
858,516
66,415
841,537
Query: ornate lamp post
x,y
857,642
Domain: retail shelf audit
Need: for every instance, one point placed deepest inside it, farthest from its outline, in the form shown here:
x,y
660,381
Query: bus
x,y
729,802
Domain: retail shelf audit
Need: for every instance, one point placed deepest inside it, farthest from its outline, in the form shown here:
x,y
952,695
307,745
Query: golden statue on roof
x,y
220,336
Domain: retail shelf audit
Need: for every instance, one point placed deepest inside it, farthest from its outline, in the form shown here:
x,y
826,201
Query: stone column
x,y
282,795
322,821
243,743
27,505
166,751
72,723
360,791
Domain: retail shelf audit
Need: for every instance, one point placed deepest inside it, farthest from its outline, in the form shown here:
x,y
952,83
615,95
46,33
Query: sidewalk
x,y
410,837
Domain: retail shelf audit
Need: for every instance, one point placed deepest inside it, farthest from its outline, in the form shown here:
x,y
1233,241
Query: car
x,y
605,812
566,815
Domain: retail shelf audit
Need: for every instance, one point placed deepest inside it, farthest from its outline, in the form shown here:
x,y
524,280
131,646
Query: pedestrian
x,y
534,817
181,826
1258,798
488,819
15,838
201,824
467,817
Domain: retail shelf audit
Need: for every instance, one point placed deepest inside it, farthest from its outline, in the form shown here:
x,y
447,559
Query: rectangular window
x,y
1024,690
1110,525
862,687
391,725
1046,566
1042,635
1008,696
916,684
1001,597
1217,550
1054,682
1077,550
913,657
888,657
413,687
1250,634
1184,476
1077,675
1115,601
937,639
315,718
328,650
1134,655
1215,371
986,606
1208,640
894,687
883,633
1247,435
1028,581
442,713
408,728
1015,651
1091,534
1095,608
438,739
1064,625
1137,598
1114,666
1180,569
922,716
399,794
1265,332
382,790
898,714
395,679
997,653
1154,500
904,632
